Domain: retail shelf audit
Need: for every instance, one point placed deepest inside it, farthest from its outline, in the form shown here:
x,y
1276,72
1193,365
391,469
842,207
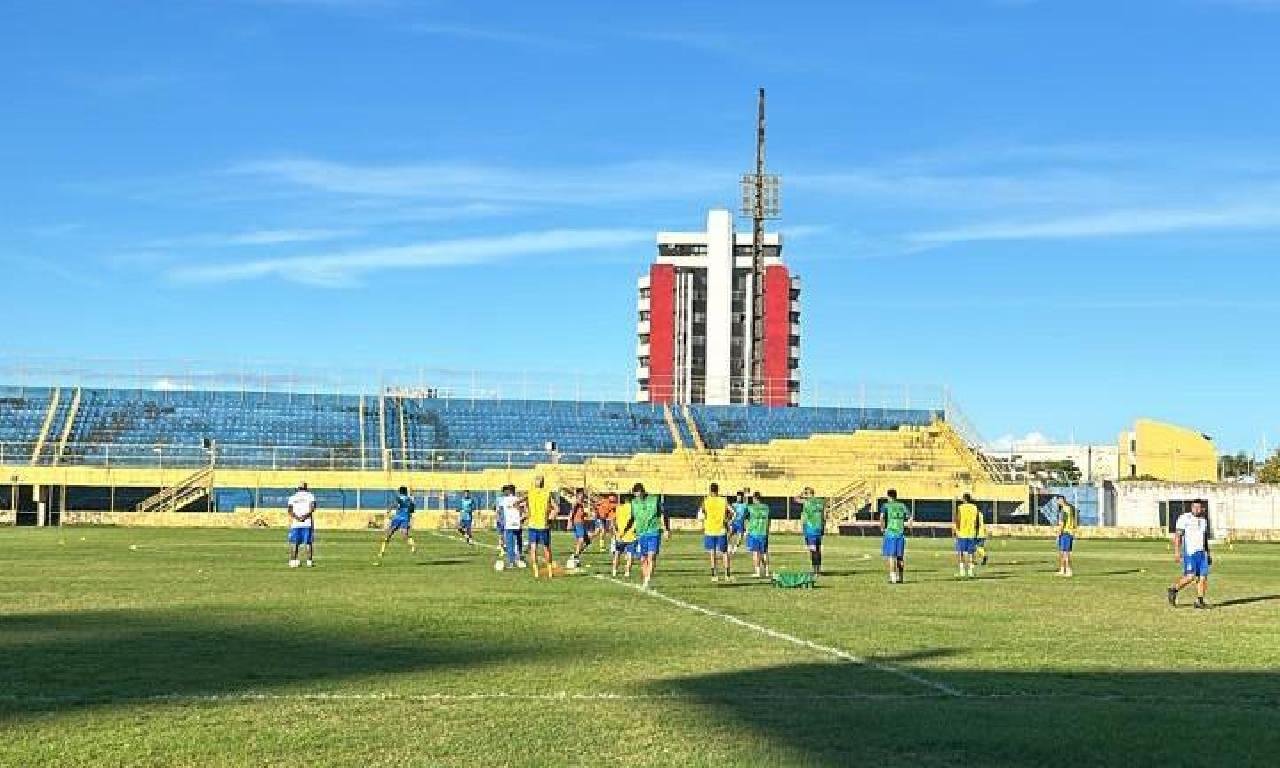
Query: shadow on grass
x,y
55,661
1246,600
841,714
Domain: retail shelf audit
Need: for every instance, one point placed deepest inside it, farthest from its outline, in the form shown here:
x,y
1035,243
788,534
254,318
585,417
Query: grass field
x,y
202,648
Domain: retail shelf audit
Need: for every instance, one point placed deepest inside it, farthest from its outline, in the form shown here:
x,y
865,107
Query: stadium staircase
x,y
68,421
192,489
692,426
667,416
51,443
38,451
846,502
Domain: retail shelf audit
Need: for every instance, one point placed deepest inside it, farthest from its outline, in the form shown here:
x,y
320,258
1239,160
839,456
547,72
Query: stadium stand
x,y
136,427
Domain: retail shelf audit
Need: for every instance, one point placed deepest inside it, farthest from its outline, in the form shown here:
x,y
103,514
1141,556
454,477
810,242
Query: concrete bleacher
x,y
139,427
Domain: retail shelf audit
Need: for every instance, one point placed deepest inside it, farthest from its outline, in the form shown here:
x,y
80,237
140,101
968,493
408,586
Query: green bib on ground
x,y
794,579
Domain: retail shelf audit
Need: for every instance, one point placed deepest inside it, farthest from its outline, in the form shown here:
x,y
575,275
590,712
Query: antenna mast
x,y
759,202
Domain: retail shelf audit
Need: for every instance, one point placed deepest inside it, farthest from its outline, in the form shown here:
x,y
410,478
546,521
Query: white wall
x,y
1238,507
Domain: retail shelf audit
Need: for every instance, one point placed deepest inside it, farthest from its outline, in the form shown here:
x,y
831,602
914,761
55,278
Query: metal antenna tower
x,y
760,202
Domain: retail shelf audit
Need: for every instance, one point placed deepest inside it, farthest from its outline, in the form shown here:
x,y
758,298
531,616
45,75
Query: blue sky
x,y
1066,212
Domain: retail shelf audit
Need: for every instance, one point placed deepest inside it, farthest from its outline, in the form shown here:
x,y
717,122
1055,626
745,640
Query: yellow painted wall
x,y
920,462
1167,452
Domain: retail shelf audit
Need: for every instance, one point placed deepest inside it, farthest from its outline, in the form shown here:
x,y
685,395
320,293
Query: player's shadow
x,y
1246,600
71,659
895,710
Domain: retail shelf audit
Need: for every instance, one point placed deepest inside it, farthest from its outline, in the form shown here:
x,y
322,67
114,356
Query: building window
x,y
795,317
644,338
644,362
682,250
644,316
644,293
793,340
795,293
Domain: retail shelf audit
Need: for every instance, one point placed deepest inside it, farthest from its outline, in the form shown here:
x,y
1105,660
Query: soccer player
x,y
624,540
1191,543
510,516
1068,519
302,525
604,522
651,526
738,525
967,525
578,519
893,527
813,517
714,514
758,534
466,515
401,521
539,513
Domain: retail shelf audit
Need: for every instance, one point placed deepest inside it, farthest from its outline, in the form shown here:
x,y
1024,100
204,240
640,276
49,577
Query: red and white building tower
x,y
694,333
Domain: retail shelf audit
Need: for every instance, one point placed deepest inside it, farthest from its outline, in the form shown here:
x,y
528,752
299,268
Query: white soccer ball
x,y
499,565
571,563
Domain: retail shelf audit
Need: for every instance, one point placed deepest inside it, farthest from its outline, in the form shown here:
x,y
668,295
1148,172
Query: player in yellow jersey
x,y
967,523
1068,520
624,536
540,511
714,515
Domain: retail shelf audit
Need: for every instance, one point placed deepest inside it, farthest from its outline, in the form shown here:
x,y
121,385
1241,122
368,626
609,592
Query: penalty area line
x,y
825,650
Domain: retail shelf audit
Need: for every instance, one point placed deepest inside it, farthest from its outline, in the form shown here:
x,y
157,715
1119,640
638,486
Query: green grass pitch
x,y
201,648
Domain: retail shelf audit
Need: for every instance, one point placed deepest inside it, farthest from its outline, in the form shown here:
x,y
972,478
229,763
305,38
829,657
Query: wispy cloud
x,y
493,184
475,33
1138,221
257,237
342,268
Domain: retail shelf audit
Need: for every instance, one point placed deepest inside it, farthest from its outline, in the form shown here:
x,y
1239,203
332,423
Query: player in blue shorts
x,y
1191,548
401,520
758,534
580,524
302,524
893,527
967,523
738,522
813,518
466,516
714,514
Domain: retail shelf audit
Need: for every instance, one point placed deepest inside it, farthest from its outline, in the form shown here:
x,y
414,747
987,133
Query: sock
x,y
382,550
413,547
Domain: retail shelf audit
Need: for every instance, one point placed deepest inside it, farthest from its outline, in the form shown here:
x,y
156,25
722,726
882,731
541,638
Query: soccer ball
x,y
572,563
498,565
522,564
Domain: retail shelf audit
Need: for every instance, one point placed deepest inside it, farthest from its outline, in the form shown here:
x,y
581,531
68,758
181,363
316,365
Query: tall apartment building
x,y
694,320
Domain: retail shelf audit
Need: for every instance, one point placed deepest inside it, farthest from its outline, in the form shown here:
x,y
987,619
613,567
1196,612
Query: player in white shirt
x,y
511,513
301,510
1191,548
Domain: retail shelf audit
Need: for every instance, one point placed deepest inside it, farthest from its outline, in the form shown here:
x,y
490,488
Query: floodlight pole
x,y
757,261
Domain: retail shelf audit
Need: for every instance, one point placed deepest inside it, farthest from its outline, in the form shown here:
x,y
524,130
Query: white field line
x,y
825,650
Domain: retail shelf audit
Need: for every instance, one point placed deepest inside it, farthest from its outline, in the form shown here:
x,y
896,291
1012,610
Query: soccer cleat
x,y
1173,596
715,579
293,563
310,564
1200,603
1068,573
